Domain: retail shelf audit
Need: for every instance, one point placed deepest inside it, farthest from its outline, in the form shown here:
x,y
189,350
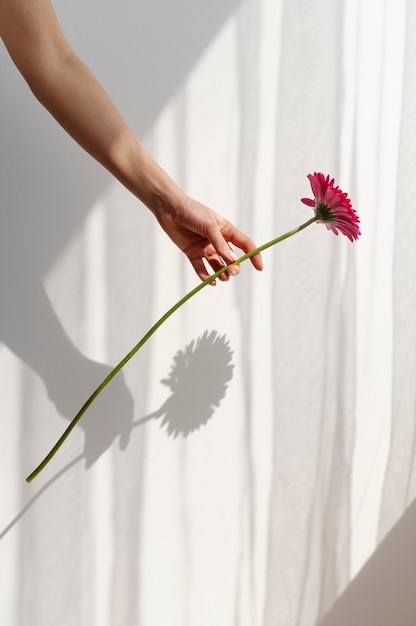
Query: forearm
x,y
72,94
67,88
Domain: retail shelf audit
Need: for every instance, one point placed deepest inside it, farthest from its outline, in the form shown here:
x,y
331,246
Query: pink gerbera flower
x,y
332,206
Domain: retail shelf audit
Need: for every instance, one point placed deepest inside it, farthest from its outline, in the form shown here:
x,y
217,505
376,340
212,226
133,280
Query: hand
x,y
205,236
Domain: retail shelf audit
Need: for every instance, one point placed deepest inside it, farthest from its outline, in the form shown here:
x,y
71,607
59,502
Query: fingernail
x,y
233,255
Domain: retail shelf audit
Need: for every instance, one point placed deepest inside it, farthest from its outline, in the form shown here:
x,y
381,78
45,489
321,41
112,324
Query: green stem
x,y
147,336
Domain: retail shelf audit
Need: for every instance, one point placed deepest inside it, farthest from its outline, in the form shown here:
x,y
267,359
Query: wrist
x,y
142,176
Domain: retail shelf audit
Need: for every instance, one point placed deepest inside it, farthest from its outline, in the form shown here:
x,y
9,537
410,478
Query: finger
x,y
233,270
218,241
230,233
200,269
240,240
217,264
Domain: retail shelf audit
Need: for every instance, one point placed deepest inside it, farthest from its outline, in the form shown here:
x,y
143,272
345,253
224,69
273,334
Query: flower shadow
x,y
198,380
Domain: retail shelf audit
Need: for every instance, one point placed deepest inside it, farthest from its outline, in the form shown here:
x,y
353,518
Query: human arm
x,y
67,88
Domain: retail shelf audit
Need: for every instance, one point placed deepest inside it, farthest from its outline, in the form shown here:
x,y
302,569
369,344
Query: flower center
x,y
324,213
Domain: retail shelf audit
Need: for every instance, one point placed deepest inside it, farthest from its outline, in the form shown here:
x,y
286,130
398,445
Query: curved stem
x,y
147,336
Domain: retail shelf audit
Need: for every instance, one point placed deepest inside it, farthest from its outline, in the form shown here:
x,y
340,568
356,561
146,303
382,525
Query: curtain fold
x,y
399,482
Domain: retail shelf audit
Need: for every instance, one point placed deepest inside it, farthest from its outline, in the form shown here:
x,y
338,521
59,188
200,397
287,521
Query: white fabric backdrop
x,y
254,465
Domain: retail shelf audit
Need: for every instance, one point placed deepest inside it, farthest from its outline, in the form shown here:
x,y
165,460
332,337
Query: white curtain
x,y
254,464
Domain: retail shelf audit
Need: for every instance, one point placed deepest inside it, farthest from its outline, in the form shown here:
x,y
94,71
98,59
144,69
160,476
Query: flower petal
x,y
308,201
332,206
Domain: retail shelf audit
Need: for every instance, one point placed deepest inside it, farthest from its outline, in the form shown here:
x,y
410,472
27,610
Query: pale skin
x,y
71,93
